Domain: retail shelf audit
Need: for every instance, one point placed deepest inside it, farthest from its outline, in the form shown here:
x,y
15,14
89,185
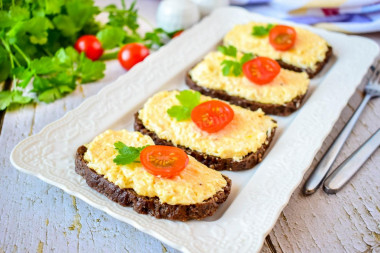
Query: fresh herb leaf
x,y
179,112
124,17
18,13
245,58
18,98
111,37
233,67
44,65
23,75
81,12
261,30
155,38
228,50
230,68
89,71
38,29
12,97
188,100
50,95
126,154
65,25
5,99
5,65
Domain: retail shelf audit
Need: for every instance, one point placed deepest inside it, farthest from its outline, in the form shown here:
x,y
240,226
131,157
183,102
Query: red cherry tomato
x,y
131,54
90,45
282,37
261,70
177,33
212,116
164,161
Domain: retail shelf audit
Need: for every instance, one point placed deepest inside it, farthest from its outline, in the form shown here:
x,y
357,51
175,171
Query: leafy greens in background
x,y
36,39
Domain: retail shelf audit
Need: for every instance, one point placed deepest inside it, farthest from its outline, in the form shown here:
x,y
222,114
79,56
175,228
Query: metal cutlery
x,y
372,89
341,175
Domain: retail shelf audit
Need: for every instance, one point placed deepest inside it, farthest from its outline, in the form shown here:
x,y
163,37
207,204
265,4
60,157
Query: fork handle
x,y
336,180
315,179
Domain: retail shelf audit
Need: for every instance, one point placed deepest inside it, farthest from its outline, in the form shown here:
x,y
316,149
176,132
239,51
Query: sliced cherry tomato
x,y
164,161
261,70
282,37
90,45
131,54
177,34
212,116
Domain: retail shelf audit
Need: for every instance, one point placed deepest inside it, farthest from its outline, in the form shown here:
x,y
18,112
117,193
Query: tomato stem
x,y
109,56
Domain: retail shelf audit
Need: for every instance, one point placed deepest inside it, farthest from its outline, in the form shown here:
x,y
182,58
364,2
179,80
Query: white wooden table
x,y
37,217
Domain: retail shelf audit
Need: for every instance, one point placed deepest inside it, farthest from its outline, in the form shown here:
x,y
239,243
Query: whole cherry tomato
x,y
261,70
164,161
90,45
177,34
131,54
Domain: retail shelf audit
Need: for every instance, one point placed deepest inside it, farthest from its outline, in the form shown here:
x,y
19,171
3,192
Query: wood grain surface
x,y
37,217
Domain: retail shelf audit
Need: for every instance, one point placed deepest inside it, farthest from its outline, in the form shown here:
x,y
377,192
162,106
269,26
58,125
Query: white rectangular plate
x,y
258,195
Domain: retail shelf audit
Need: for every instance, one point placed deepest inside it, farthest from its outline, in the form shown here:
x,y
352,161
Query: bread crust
x,y
148,205
311,73
274,109
213,162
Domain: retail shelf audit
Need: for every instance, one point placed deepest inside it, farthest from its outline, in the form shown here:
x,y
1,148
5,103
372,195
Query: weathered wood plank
x,y
345,222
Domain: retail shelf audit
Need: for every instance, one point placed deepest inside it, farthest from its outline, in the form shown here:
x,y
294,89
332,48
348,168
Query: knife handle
x,y
320,171
351,165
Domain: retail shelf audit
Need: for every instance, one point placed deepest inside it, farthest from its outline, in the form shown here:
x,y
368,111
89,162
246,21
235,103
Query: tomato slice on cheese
x,y
282,37
212,116
261,70
164,161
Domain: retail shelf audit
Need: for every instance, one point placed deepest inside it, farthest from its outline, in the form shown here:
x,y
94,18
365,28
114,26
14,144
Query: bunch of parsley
x,y
36,39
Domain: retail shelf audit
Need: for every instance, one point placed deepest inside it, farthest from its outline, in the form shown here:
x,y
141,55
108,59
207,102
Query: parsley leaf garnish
x,y
228,50
233,67
261,30
126,154
188,100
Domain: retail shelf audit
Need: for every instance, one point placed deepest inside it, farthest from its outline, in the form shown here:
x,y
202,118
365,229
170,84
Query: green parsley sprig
x,y
126,154
233,67
36,39
188,100
260,31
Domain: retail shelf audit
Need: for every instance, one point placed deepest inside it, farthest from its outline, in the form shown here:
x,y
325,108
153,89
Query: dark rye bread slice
x,y
311,73
280,109
213,162
149,205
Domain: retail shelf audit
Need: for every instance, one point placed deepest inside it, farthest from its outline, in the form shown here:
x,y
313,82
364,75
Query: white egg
x,y
207,6
174,15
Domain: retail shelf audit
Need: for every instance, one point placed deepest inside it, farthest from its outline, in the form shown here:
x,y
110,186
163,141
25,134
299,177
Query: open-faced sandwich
x,y
161,181
294,48
220,135
248,81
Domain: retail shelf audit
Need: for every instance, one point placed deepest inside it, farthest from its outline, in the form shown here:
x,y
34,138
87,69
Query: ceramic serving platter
x,y
258,195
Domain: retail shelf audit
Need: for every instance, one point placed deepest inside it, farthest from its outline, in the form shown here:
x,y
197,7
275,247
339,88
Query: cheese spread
x,y
194,184
309,48
286,86
246,133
